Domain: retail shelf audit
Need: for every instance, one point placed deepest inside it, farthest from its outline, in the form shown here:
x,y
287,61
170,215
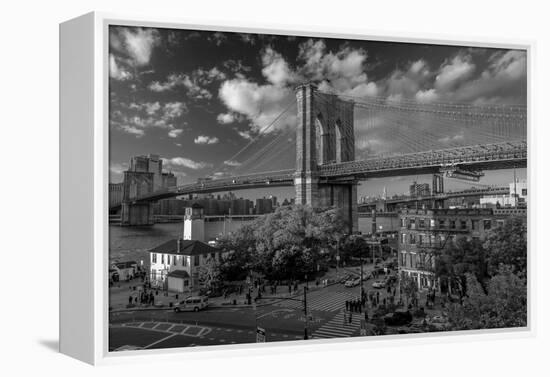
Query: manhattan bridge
x,y
324,144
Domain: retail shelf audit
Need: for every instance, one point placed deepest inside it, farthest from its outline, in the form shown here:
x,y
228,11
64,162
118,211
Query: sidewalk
x,y
120,293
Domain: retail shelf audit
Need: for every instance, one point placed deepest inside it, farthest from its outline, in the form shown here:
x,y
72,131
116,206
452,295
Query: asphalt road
x,y
283,321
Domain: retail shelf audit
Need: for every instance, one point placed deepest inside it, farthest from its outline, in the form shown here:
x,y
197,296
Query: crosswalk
x,y
329,302
339,327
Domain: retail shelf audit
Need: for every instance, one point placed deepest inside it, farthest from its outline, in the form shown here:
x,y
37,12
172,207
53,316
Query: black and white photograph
x,y
296,188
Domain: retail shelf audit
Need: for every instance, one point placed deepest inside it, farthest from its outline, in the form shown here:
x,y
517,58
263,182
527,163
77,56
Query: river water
x,y
132,243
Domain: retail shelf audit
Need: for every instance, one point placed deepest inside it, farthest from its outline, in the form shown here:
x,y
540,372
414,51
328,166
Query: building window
x,y
168,259
186,283
441,224
412,239
500,222
486,224
197,260
403,222
452,224
463,224
412,224
432,240
421,223
475,224
403,238
420,239
162,258
154,257
432,223
174,260
524,192
153,274
413,260
403,258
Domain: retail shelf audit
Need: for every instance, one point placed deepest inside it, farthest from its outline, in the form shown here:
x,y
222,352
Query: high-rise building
x,y
419,189
153,164
264,205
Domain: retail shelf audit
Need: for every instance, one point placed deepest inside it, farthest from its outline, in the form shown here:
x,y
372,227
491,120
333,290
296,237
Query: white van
x,y
193,303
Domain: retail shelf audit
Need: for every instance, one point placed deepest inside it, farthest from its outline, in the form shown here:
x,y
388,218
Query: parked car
x,y
438,322
353,282
398,318
379,284
346,278
193,303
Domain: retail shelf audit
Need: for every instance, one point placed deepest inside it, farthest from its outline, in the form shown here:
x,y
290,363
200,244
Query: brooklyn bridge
x,y
313,145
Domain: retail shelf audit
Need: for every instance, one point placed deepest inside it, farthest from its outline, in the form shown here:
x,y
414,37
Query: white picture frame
x,y
84,178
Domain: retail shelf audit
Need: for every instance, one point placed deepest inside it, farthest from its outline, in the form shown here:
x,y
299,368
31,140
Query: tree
x,y
507,245
209,273
296,234
504,304
409,286
458,259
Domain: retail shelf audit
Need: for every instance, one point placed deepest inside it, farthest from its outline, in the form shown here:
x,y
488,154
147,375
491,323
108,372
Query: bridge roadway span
x,y
478,157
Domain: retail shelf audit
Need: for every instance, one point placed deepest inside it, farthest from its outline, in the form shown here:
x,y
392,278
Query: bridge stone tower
x,y
136,184
324,135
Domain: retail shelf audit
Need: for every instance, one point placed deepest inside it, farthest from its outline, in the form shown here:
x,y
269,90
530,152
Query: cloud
x,y
175,133
195,83
116,171
202,139
407,82
185,162
135,118
232,163
261,104
225,118
137,44
342,72
454,72
133,130
426,96
504,80
116,71
245,135
236,66
218,38
276,70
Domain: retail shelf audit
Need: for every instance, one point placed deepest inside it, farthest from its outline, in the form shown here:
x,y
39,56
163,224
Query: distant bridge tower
x,y
325,135
136,184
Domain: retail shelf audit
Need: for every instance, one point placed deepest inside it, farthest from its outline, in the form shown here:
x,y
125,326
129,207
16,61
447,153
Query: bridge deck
x,y
477,157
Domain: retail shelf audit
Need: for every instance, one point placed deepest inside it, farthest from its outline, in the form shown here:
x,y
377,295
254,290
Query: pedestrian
x,y
347,305
349,318
130,300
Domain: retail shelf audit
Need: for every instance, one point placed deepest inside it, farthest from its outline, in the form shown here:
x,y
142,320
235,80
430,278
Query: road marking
x,y
161,340
274,311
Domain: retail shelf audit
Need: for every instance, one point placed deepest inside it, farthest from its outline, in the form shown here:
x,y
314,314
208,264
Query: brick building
x,y
423,231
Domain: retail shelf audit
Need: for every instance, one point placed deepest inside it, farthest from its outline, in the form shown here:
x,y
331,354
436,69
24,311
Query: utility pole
x,y
361,261
305,311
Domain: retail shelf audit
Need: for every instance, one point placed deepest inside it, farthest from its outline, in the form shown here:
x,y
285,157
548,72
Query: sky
x,y
196,98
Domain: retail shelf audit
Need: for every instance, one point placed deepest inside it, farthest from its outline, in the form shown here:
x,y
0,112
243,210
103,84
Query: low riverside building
x,y
423,231
175,264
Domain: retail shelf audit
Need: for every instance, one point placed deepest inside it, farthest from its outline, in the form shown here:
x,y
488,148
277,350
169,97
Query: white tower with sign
x,y
193,225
